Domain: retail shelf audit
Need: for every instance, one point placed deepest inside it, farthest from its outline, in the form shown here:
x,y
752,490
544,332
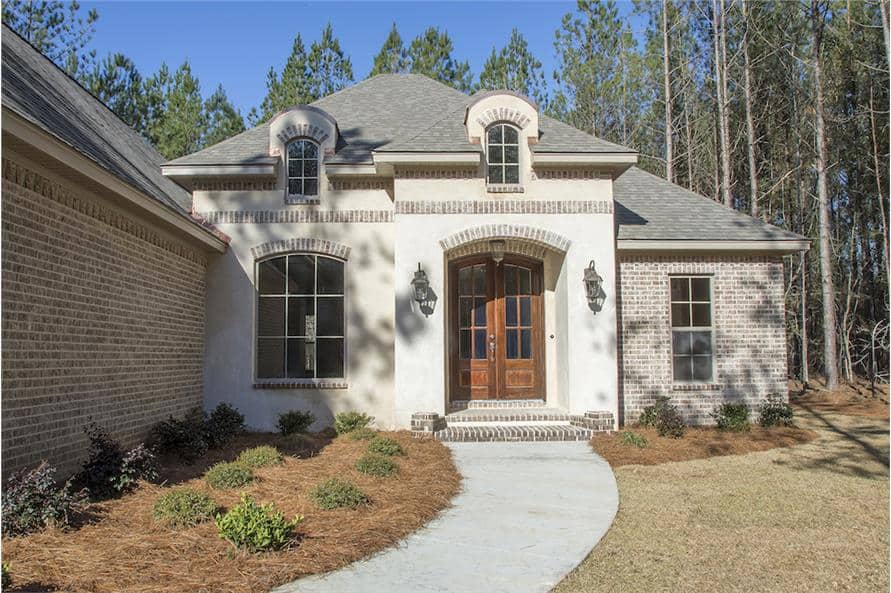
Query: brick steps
x,y
494,423
499,404
463,434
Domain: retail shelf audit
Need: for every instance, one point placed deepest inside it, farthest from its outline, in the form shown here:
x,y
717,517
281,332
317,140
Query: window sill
x,y
301,384
505,188
298,200
695,387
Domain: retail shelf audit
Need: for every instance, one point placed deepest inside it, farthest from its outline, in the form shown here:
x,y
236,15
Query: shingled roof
x,y
38,91
395,113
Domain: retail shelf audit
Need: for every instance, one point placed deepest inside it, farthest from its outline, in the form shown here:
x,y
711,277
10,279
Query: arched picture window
x,y
303,168
300,317
503,154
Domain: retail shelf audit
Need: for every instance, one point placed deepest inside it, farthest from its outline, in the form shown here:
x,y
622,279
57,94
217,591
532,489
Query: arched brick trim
x,y
503,114
515,246
530,234
302,131
323,246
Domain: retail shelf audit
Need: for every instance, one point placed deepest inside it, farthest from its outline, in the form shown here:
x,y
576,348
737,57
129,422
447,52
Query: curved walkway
x,y
528,514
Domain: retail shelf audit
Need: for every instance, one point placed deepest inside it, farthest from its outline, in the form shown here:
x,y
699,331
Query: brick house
x,y
397,247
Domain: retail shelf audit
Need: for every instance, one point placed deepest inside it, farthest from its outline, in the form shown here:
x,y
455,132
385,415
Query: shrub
x,y
108,470
32,500
775,412
223,425
256,527
184,507
295,421
6,578
385,446
634,439
732,416
664,416
182,437
336,493
260,456
376,465
228,475
363,434
139,463
349,421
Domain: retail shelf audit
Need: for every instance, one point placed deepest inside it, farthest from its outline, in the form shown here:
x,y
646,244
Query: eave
x,y
782,246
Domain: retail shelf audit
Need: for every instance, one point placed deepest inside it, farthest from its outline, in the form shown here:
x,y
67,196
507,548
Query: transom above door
x,y
496,343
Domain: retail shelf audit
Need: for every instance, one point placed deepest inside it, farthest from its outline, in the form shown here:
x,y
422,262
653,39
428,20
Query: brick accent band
x,y
427,173
233,185
496,114
507,231
495,206
295,216
302,131
303,384
324,246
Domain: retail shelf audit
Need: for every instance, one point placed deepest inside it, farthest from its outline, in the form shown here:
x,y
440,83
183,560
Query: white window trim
x,y
504,188
710,329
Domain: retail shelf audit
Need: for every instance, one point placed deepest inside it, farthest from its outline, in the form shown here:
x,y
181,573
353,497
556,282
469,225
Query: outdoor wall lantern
x,y
594,288
423,293
496,246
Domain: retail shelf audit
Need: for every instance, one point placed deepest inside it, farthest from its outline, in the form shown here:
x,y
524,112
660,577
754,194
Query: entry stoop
x,y
487,421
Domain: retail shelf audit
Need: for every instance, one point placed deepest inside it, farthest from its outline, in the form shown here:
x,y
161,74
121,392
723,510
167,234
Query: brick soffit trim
x,y
525,233
322,246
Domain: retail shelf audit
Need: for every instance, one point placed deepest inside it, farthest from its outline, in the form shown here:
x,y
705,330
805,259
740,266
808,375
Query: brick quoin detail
x,y
322,246
507,231
748,315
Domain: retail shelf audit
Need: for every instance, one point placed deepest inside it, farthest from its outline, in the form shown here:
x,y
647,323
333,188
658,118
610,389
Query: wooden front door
x,y
496,343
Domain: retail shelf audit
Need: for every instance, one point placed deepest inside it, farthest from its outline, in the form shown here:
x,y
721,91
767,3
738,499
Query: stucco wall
x,y
103,317
748,319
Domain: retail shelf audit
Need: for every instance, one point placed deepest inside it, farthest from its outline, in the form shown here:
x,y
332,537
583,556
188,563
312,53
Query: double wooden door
x,y
496,343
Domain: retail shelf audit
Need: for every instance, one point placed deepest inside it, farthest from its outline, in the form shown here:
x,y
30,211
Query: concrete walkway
x,y
528,514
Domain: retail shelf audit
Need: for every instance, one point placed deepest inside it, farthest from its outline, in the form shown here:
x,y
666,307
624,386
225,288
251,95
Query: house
x,y
397,247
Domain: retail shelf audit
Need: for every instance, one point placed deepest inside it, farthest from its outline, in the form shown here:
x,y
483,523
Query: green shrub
x,y
222,425
363,434
184,437
32,501
775,412
349,421
228,475
633,439
295,421
109,470
6,578
385,446
184,507
336,493
260,456
732,417
664,416
256,527
376,465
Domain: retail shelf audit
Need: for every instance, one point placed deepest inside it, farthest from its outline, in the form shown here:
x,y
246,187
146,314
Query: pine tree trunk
x,y
720,43
884,8
750,123
666,73
830,345
879,185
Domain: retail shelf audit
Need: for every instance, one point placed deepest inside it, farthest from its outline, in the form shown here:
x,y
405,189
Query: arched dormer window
x,y
303,168
502,154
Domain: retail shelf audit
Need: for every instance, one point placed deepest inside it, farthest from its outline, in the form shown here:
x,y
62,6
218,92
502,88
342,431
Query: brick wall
x,y
103,316
749,339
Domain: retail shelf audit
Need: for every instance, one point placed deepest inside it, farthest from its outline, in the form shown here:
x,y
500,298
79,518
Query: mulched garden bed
x,y
859,398
121,547
697,443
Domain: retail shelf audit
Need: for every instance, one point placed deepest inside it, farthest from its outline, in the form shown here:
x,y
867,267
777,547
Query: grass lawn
x,y
122,548
813,517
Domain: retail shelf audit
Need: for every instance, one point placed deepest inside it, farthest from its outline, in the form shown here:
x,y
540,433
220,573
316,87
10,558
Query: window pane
x,y
525,343
330,276
479,344
301,274
272,276
479,312
330,312
270,358
680,315
682,369
510,311
510,280
295,187
465,306
496,154
525,281
271,316
510,135
295,149
511,154
680,343
310,187
294,168
479,280
329,363
496,174
495,134
465,286
700,289
680,289
702,368
464,344
526,311
301,358
702,314
512,174
310,168
298,309
511,344
310,150
701,342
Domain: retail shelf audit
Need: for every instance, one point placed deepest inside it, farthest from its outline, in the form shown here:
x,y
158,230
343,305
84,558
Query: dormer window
x,y
303,168
503,154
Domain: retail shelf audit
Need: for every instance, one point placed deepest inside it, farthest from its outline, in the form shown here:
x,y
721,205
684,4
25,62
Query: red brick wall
x,y
103,317
749,339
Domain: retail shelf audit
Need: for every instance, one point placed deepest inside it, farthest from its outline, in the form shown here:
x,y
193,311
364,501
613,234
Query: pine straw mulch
x,y
858,398
697,443
123,549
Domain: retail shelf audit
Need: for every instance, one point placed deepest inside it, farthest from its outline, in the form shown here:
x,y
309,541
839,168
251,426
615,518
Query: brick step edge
x,y
518,416
480,434
483,404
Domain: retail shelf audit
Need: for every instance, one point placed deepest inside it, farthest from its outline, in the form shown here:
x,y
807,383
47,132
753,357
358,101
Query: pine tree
x,y
116,82
223,119
392,58
514,68
430,54
291,88
329,69
55,28
180,121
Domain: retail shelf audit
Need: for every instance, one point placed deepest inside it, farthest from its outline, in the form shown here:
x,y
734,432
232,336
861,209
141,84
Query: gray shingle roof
x,y
396,112
650,208
38,91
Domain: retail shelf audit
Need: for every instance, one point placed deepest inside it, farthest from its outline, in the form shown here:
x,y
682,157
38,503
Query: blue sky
x,y
234,43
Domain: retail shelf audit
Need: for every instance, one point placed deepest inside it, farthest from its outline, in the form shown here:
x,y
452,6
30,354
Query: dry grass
x,y
697,443
810,518
125,550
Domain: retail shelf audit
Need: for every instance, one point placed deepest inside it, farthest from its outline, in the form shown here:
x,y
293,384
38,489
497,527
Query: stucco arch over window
x,y
501,106
514,234
303,244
